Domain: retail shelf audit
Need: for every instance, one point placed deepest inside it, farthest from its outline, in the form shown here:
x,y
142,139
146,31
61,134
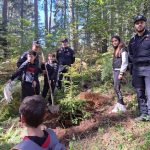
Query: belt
x,y
140,64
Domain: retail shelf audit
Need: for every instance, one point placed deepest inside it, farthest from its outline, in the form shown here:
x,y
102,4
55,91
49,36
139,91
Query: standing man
x,y
139,54
23,58
65,57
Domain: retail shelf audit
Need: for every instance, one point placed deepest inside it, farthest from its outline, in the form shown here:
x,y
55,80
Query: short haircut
x,y
32,53
33,110
52,55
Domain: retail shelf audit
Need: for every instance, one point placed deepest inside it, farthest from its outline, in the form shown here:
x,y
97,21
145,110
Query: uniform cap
x,y
139,18
37,43
64,40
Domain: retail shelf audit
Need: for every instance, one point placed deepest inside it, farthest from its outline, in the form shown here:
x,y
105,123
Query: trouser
x,y
37,88
117,85
46,89
61,71
27,89
142,88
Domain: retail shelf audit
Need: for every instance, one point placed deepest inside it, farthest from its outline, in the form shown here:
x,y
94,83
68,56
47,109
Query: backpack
x,y
28,144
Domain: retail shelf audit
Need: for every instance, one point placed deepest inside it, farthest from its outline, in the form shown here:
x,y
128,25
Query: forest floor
x,y
101,131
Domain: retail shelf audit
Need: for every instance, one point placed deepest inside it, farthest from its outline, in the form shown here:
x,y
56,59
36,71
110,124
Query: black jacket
x,y
117,61
52,69
27,71
139,48
65,56
23,58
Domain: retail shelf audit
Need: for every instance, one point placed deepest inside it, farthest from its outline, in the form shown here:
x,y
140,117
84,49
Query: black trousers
x,y
117,86
46,88
61,71
37,88
142,88
27,90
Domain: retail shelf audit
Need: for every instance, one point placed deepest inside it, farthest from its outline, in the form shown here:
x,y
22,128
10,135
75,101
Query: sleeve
x,y
73,56
43,66
124,62
130,53
22,59
36,74
57,55
19,70
55,72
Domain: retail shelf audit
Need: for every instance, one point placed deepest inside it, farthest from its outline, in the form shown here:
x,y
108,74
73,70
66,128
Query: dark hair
x,y
33,110
32,53
52,55
116,37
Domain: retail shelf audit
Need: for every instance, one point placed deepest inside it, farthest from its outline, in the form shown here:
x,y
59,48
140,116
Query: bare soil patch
x,y
96,104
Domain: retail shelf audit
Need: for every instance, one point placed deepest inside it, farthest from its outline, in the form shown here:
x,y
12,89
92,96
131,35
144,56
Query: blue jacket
x,y
51,143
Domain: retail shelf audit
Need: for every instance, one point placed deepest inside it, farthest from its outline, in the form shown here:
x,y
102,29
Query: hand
x,y
29,59
120,76
34,84
9,81
50,81
44,72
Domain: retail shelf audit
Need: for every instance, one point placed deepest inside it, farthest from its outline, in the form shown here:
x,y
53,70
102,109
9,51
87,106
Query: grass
x,y
122,134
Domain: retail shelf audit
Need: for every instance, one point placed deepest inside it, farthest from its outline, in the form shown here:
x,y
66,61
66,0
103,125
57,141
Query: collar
x,y
145,33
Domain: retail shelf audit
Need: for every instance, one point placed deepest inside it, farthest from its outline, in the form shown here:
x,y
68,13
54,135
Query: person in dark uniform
x,y
139,54
23,58
65,57
28,72
120,63
52,73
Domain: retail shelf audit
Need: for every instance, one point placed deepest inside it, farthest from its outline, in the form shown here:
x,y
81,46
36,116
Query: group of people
x,y
29,68
32,108
137,55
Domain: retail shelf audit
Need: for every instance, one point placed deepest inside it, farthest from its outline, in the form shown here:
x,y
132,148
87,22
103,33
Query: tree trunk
x,y
65,14
3,40
21,14
50,16
46,15
36,18
4,15
72,23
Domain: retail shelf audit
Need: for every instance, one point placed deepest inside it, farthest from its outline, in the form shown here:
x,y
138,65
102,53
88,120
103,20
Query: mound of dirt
x,y
94,99
95,103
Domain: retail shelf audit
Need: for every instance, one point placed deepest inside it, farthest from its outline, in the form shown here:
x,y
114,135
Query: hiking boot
x,y
143,117
119,108
148,118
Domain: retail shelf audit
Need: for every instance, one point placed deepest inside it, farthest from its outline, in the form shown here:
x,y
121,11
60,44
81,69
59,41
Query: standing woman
x,y
120,63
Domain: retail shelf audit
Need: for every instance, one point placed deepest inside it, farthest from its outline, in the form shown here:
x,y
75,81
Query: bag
x,y
8,89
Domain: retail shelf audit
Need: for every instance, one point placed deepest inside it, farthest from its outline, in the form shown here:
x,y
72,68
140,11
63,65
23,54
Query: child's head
x,y
51,56
31,56
32,111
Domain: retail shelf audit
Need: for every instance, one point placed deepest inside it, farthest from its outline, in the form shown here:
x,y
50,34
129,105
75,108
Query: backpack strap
x,y
54,144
